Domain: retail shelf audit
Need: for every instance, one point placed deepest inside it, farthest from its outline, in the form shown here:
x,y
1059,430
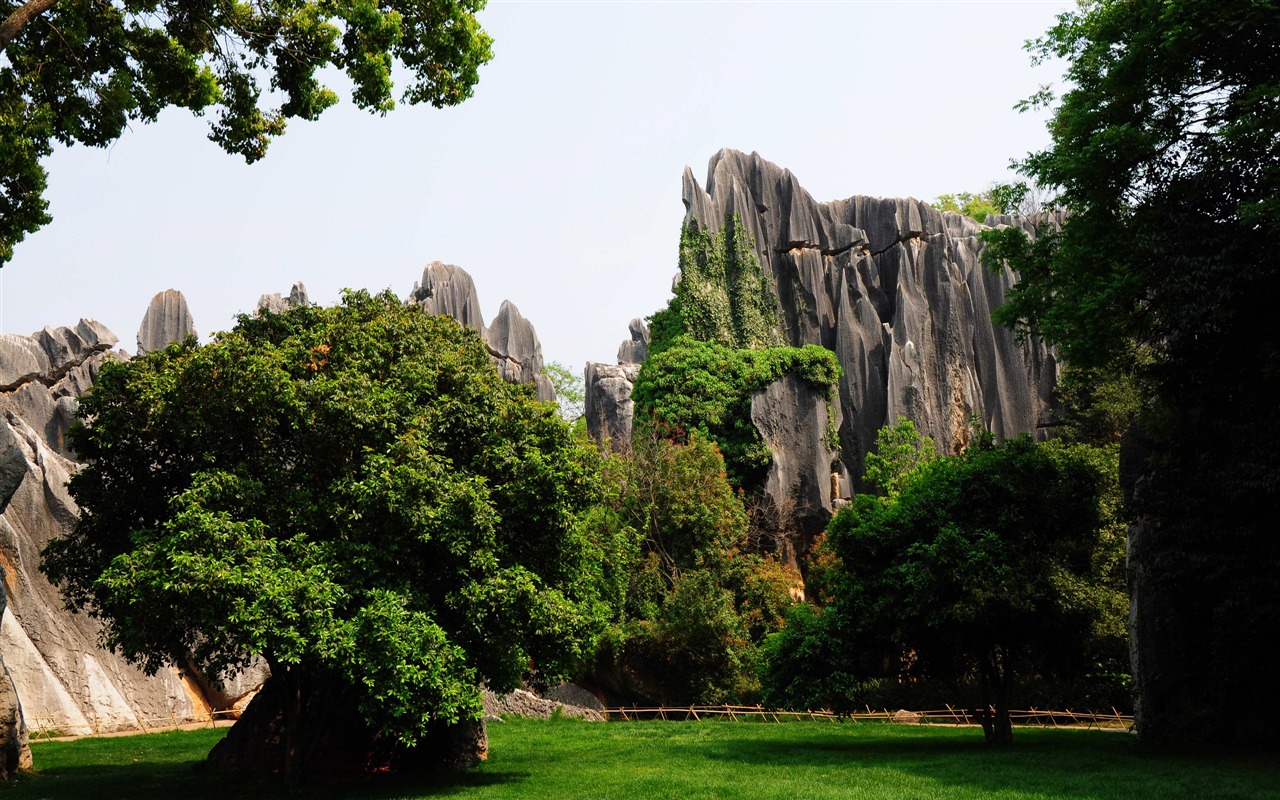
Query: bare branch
x,y
21,16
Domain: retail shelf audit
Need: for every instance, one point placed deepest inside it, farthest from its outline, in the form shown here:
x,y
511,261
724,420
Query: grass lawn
x,y
633,760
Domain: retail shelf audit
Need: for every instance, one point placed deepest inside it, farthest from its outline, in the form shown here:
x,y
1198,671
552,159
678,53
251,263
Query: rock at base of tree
x,y
334,739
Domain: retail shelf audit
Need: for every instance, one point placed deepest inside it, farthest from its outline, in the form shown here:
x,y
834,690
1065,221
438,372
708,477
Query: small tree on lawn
x,y
983,564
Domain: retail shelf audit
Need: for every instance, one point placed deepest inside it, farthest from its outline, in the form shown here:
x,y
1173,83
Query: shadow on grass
x,y
169,781
1069,764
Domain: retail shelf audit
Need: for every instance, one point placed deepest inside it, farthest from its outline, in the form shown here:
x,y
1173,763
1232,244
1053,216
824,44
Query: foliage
x,y
1166,157
571,391
350,493
571,759
900,453
695,604
707,387
76,71
986,563
722,294
999,198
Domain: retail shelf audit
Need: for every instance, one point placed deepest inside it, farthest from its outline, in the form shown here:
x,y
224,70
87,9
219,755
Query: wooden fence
x,y
948,716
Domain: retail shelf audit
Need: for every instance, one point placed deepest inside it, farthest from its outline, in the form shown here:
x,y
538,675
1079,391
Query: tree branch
x,y
18,20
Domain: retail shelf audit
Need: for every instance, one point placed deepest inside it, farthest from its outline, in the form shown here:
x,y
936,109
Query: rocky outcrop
x,y
516,351
636,349
787,413
167,320
608,407
15,753
896,290
523,703
513,343
278,304
449,290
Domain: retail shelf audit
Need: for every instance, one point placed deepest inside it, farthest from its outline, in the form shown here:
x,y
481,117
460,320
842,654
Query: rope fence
x,y
948,716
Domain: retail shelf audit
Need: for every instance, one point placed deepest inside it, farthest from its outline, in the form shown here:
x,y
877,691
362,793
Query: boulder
x,y
278,304
449,290
608,408
636,349
166,321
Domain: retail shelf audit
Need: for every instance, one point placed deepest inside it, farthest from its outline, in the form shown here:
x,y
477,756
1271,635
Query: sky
x,y
557,186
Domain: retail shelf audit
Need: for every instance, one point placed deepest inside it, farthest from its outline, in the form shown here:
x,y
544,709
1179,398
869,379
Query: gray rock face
x,y
608,408
277,304
523,703
513,343
636,349
787,413
449,290
516,351
15,753
896,290
64,680
167,320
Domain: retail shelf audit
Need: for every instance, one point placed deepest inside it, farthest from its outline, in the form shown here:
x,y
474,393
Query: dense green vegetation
x,y
694,597
1000,198
695,760
355,496
1165,156
981,570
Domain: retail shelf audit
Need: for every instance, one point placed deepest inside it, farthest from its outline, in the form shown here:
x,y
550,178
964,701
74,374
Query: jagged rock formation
x,y
516,351
167,320
277,304
449,290
513,343
15,753
636,349
896,290
523,703
64,680
608,407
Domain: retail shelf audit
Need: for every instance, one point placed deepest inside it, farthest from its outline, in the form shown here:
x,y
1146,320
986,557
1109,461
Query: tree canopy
x,y
76,71
351,494
982,564
1165,157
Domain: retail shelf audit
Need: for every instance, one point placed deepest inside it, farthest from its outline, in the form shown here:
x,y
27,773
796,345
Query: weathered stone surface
x,y
167,320
64,680
277,304
636,349
516,351
449,290
608,408
15,753
896,290
523,703
799,485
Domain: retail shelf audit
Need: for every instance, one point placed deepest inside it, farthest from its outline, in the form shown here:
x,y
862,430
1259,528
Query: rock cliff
x,y
167,320
513,343
64,679
896,290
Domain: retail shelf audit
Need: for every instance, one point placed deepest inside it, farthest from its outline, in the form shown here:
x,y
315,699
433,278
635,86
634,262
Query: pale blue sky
x,y
558,185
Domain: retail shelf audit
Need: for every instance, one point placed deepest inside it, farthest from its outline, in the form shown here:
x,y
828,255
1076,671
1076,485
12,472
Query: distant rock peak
x,y
167,320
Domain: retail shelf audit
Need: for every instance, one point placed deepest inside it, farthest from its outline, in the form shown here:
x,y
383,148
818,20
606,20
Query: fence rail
x,y
948,716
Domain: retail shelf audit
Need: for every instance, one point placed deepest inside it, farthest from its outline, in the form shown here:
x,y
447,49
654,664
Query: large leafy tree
x,y
351,494
81,71
983,565
1166,160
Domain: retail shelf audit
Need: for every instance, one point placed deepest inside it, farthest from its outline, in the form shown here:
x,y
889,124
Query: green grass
x,y
790,761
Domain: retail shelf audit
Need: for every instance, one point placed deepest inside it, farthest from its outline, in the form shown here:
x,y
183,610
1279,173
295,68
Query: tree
x,y
983,564
900,453
999,198
355,496
76,71
1166,159
571,391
